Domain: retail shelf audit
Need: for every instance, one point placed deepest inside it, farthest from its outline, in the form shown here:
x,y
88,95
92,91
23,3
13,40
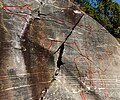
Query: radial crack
x,y
59,61
69,34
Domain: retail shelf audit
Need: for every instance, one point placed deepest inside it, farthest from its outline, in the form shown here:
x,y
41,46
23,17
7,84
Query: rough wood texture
x,y
85,67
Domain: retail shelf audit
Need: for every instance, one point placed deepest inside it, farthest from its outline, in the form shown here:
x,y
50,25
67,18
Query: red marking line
x,y
18,15
62,42
82,95
61,21
18,7
103,85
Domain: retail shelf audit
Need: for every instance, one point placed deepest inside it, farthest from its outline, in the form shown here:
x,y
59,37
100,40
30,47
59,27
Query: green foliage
x,y
118,39
106,12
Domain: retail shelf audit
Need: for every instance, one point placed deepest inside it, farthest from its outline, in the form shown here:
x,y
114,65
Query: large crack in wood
x,y
61,47
59,61
69,34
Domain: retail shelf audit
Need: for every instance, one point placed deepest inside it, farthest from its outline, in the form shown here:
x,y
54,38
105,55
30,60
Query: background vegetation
x,y
106,12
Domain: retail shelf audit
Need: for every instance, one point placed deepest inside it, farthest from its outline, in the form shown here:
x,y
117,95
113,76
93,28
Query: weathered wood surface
x,y
86,68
